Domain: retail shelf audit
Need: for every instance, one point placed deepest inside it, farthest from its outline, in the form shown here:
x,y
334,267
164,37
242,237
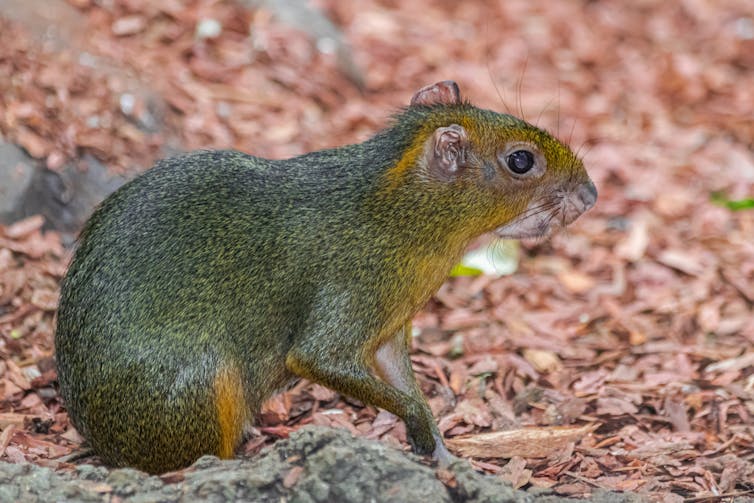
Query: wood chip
x,y
532,442
24,227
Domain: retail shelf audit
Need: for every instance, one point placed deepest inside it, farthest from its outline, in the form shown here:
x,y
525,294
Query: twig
x,y
585,480
75,456
718,497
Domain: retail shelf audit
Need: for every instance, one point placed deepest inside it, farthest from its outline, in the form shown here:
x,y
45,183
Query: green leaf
x,y
499,257
734,205
464,270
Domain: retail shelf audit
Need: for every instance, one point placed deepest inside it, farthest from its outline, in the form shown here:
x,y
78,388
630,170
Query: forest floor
x,y
629,339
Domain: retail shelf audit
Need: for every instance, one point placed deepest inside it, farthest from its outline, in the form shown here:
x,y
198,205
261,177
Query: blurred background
x,y
642,90
642,310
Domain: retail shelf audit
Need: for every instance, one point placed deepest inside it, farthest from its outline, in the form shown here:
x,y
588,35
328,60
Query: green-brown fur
x,y
278,268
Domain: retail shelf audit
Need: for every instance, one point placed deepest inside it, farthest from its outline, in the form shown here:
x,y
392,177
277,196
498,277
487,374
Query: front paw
x,y
423,443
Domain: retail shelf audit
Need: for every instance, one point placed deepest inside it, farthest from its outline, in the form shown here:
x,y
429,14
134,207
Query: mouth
x,y
544,216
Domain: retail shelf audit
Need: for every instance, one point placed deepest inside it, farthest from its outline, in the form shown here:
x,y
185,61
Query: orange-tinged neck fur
x,y
432,221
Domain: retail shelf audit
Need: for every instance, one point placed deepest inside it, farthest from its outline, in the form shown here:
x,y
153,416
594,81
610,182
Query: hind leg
x,y
162,428
232,412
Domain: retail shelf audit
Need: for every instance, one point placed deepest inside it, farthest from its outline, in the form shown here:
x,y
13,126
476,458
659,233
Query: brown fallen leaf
x,y
633,247
620,483
474,411
128,25
5,437
615,406
321,394
16,375
733,276
682,261
485,365
542,360
732,364
575,281
277,431
384,422
72,436
24,227
538,442
276,410
458,375
542,482
13,418
677,414
46,300
735,470
515,472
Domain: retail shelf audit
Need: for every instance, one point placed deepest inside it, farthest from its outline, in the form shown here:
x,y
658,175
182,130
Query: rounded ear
x,y
445,92
447,156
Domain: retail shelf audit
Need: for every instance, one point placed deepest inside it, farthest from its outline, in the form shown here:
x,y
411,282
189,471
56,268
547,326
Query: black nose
x,y
587,193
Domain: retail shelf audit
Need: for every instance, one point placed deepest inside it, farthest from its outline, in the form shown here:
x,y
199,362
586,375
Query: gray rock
x,y
16,174
334,466
67,198
312,21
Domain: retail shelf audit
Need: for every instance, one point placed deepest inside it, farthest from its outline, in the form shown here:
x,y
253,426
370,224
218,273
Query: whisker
x,y
519,88
543,111
487,59
550,218
494,84
587,150
493,251
542,205
578,150
570,135
558,116
536,210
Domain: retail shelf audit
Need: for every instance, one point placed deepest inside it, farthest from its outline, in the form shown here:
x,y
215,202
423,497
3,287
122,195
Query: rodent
x,y
213,280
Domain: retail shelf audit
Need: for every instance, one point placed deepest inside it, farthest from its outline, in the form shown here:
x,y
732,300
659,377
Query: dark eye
x,y
520,161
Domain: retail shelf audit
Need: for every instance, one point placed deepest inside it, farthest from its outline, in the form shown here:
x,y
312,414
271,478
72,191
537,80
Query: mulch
x,y
620,355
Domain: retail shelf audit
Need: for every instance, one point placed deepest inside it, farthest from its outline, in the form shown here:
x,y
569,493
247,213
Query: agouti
x,y
214,279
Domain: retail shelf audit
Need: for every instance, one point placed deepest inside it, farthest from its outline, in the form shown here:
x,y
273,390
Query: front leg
x,y
337,350
393,364
349,375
